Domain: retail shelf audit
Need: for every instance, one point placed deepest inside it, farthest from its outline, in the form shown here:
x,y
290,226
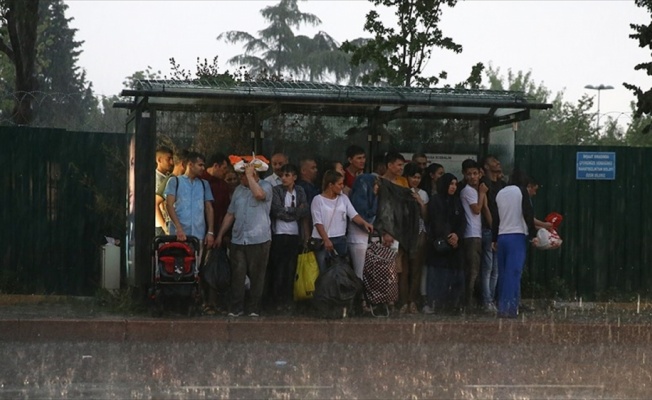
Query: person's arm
x,y
210,220
538,224
160,220
364,224
476,208
169,201
528,214
277,209
257,191
486,212
226,225
328,245
422,205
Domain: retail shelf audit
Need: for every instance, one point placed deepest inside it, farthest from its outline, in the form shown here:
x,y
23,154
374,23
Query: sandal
x,y
413,308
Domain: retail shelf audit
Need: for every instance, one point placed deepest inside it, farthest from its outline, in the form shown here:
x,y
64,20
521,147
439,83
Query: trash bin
x,y
110,267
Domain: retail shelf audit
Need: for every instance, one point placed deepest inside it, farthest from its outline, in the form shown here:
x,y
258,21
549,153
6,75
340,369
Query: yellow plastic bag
x,y
307,272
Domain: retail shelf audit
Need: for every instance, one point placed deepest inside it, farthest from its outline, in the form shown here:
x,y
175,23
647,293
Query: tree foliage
x,y
18,33
278,51
401,54
642,34
564,124
59,94
65,97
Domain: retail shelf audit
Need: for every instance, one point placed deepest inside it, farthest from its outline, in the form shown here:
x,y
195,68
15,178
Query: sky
x,y
565,44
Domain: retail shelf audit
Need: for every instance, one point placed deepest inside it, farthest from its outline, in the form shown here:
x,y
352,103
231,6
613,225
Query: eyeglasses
x,y
293,204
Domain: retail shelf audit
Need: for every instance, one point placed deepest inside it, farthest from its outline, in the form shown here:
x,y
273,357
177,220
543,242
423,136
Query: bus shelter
x,y
260,101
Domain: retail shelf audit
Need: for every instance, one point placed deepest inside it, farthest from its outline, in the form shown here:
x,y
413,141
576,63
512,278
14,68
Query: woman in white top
x,y
330,213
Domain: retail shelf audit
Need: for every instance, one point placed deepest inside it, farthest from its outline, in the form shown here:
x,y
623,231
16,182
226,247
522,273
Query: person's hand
x,y
388,240
328,245
250,170
483,188
494,246
555,245
218,241
209,240
368,227
181,235
453,239
535,242
417,198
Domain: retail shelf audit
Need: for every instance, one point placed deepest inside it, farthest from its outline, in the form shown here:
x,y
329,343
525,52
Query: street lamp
x,y
598,88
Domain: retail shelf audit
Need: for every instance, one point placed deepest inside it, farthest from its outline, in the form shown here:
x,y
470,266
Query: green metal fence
x,y
62,192
607,224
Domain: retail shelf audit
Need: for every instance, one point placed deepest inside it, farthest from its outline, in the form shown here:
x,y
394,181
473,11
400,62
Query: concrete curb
x,y
320,331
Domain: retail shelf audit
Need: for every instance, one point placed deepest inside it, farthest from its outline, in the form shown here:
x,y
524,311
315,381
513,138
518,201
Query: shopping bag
x,y
379,274
216,271
307,272
548,239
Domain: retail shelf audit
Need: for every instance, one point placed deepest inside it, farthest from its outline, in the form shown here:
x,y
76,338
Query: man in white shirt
x,y
278,160
473,197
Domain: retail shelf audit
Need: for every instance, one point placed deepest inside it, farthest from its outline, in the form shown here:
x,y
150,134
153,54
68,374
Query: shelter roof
x,y
268,98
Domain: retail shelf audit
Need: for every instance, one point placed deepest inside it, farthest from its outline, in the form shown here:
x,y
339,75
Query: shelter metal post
x,y
141,197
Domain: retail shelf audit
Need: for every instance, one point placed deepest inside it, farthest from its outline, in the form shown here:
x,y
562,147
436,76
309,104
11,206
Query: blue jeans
x,y
339,244
511,260
489,269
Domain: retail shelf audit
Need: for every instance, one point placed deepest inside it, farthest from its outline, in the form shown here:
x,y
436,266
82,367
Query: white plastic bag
x,y
548,239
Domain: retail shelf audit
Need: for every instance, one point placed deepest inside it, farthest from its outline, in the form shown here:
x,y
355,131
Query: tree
x,y
276,49
565,123
18,34
401,55
643,34
65,97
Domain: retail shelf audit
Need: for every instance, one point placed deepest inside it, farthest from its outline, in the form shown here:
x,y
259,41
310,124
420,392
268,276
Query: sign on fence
x,y
595,165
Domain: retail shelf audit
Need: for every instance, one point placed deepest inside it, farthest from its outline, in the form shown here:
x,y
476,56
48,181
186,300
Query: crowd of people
x,y
460,242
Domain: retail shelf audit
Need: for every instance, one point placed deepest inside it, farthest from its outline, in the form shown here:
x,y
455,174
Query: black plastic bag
x,y
216,271
336,289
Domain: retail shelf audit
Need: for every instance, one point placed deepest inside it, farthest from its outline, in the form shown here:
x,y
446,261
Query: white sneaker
x,y
428,310
253,314
237,314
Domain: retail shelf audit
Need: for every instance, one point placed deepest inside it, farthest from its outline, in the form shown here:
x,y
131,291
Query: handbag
x,y
306,275
442,246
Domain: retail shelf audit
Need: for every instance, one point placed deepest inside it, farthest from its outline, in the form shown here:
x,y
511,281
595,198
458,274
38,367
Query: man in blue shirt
x,y
189,203
251,238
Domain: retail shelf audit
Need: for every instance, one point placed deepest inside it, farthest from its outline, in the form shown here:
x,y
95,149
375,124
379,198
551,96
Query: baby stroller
x,y
175,273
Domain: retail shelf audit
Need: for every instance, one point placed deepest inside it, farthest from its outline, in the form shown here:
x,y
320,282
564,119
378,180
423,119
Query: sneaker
x,y
235,314
490,308
428,310
253,314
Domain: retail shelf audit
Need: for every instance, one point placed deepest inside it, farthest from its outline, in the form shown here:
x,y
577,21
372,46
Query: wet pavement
x,y
77,349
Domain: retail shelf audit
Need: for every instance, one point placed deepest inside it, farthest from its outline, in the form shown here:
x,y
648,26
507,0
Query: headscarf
x,y
443,183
